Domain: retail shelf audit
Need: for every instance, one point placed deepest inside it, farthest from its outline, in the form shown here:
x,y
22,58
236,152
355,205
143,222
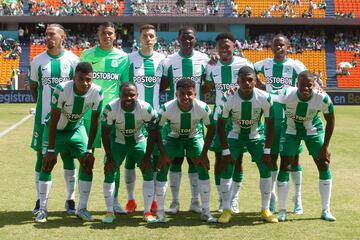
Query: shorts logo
x,y
114,63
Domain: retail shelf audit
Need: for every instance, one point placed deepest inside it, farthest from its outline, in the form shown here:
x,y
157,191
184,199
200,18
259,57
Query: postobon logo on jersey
x,y
105,76
72,117
53,81
225,86
196,79
147,81
279,80
246,123
129,132
296,118
184,131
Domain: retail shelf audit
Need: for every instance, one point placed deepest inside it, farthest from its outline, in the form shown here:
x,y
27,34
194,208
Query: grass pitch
x,y
18,196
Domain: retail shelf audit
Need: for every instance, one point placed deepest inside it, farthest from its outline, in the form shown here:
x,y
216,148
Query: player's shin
x,y
283,188
148,194
109,189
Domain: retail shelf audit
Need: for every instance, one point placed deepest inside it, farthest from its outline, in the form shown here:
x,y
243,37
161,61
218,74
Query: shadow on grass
x,y
59,219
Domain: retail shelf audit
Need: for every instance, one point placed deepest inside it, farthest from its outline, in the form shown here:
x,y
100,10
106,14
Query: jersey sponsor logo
x,y
296,118
196,79
246,123
275,81
184,131
129,132
147,81
225,86
72,117
105,76
53,81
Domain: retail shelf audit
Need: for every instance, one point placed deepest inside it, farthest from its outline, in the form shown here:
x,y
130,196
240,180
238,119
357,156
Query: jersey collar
x,y
277,62
227,64
248,98
181,55
58,56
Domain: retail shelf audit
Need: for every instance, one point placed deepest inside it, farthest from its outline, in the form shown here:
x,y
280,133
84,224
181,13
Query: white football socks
x,y
226,192
194,186
109,190
44,190
130,178
70,176
148,193
283,191
265,189
204,186
325,193
84,190
175,179
160,194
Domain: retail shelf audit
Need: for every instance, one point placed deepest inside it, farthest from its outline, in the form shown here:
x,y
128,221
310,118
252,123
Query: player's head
x,y
148,36
83,77
305,84
280,45
225,45
246,80
128,95
187,38
55,36
106,35
185,92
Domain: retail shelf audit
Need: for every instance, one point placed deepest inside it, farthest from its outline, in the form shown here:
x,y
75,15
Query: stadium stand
x,y
6,66
271,8
353,79
11,8
344,8
177,8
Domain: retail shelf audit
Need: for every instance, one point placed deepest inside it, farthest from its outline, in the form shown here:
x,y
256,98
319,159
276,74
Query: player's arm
x,y
329,129
93,128
34,89
49,160
106,128
164,83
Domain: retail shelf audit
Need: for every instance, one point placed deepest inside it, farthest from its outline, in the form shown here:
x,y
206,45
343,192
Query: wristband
x,y
266,150
51,150
89,150
225,152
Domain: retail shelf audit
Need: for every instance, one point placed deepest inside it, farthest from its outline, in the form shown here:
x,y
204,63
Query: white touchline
x,y
6,131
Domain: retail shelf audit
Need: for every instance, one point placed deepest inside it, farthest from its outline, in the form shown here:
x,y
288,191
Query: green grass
x,y
18,196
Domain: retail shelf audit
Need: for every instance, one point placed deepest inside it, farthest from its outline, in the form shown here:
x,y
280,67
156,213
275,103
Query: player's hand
x,y
214,58
145,164
87,162
109,166
324,155
164,161
203,160
231,91
266,159
225,161
49,162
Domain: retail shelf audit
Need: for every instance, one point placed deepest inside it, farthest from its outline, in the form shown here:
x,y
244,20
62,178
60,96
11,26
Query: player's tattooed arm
x,y
49,160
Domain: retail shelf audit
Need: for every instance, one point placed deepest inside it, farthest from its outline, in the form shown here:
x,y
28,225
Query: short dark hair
x,y
305,74
106,24
225,35
128,84
56,25
185,83
147,26
186,28
280,35
84,67
246,70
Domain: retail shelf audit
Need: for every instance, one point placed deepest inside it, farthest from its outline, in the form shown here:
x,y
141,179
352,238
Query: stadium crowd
x,y
9,48
12,8
348,41
75,8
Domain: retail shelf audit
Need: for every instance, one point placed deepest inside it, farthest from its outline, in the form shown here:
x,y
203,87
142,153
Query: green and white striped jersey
x,y
48,71
302,117
246,114
72,106
146,72
177,66
224,76
110,68
185,124
129,125
279,75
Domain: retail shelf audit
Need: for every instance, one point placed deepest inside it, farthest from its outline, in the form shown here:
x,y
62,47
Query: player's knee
x,y
322,165
285,164
109,178
148,175
68,161
129,164
85,177
283,176
45,177
161,176
203,173
264,171
228,172
325,174
192,168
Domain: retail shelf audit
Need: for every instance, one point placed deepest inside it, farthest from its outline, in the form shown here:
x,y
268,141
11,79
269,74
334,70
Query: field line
x,y
6,131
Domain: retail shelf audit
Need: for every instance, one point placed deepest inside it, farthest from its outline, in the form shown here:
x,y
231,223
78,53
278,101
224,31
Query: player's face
x,y
305,86
148,38
186,97
83,82
128,96
106,36
246,83
279,47
187,40
54,37
225,49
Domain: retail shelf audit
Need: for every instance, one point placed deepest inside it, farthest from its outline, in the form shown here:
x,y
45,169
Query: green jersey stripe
x,y
185,124
301,111
149,71
129,128
77,109
226,74
246,112
187,67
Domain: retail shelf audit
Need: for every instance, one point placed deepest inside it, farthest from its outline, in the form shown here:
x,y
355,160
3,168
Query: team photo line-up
x,y
110,99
